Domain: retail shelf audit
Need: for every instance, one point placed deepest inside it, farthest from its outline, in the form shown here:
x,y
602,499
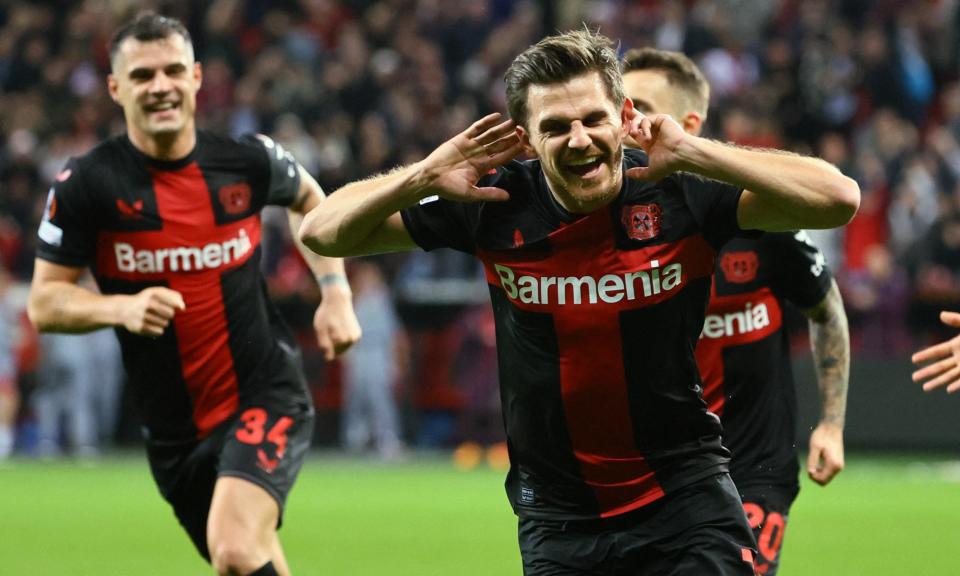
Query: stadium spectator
x,y
75,400
942,360
167,218
746,370
9,393
369,368
609,437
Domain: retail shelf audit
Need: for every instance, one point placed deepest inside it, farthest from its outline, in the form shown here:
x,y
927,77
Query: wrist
x,y
691,153
420,181
115,310
832,424
333,283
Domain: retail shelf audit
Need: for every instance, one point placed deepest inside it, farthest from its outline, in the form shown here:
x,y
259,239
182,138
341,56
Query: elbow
x,y
846,200
38,317
316,239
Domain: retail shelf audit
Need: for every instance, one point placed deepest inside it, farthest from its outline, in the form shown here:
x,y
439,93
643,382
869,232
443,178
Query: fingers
x,y
488,193
325,344
503,151
932,353
508,142
150,312
639,173
644,130
951,376
481,125
934,369
822,467
502,130
822,475
950,318
333,343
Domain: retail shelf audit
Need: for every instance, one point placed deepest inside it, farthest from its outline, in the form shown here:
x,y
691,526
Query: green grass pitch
x,y
882,516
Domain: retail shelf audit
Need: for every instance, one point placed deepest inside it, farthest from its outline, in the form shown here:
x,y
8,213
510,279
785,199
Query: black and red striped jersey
x,y
744,353
597,318
192,225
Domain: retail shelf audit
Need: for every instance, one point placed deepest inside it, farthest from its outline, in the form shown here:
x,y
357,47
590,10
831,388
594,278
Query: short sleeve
x,y
800,272
714,207
67,233
439,223
283,173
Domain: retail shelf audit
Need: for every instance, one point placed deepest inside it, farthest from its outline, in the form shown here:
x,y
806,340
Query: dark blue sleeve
x,y
714,207
439,223
67,233
280,167
800,272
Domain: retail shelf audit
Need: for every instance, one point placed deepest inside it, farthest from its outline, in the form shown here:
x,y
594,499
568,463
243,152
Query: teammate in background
x,y
168,219
599,286
744,351
943,369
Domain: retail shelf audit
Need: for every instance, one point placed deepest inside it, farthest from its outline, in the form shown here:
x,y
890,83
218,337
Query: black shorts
x,y
768,509
697,530
265,442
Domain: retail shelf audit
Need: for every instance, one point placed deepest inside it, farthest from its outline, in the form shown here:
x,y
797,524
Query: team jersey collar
x,y
159,164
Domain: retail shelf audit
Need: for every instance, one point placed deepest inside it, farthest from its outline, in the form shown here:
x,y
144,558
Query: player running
x,y
168,219
743,352
599,286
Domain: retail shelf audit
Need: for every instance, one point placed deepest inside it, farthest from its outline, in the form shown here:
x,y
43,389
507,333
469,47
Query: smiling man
x,y
168,219
599,263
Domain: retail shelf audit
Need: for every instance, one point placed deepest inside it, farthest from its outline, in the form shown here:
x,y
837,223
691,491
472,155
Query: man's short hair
x,y
148,26
556,59
682,73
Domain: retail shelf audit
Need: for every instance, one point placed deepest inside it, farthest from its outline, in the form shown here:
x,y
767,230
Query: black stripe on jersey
x,y
155,374
264,360
544,404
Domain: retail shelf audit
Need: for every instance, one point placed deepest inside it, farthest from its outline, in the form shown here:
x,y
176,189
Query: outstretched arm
x,y
363,217
782,191
335,322
58,304
943,368
830,339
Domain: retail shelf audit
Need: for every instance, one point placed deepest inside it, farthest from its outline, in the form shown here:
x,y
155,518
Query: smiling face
x,y
156,83
577,132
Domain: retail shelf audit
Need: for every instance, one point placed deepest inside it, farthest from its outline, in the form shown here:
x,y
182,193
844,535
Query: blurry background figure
x,y
877,296
480,427
9,397
76,399
370,368
434,291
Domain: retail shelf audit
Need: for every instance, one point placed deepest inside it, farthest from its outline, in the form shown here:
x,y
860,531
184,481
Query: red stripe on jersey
x,y
183,203
731,321
598,282
189,254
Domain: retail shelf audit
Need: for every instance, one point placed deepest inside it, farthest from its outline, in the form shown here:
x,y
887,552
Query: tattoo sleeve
x,y
830,340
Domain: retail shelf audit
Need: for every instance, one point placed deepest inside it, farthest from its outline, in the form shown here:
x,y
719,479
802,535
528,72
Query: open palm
x,y
943,360
454,168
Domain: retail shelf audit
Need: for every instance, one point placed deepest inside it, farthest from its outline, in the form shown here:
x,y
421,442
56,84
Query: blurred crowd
x,y
355,87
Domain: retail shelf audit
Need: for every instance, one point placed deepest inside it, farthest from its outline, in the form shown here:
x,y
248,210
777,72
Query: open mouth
x,y
585,167
161,107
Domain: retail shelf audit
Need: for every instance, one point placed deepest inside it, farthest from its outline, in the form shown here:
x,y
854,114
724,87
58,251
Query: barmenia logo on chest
x,y
607,288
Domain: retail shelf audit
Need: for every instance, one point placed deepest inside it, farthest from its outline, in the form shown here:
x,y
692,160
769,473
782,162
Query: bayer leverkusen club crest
x,y
235,198
642,222
740,267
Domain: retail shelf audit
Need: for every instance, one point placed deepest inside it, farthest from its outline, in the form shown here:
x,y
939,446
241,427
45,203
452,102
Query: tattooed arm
x,y
830,339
